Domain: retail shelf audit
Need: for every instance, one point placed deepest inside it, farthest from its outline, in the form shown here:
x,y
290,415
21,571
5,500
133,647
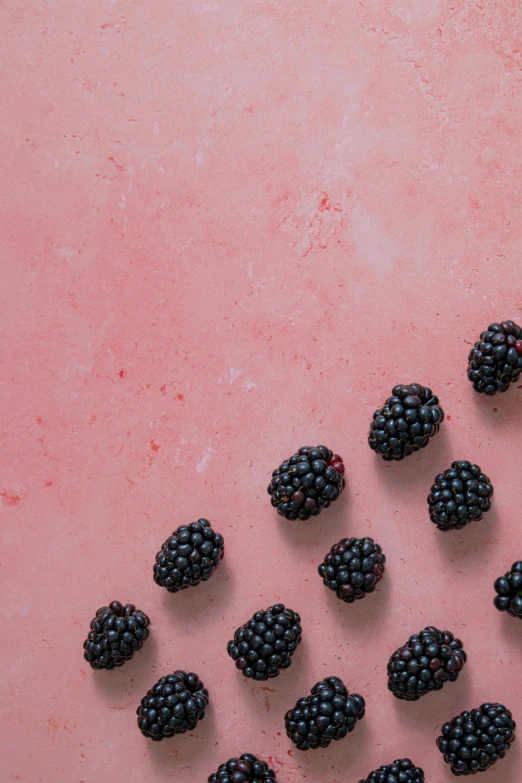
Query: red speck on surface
x,y
9,498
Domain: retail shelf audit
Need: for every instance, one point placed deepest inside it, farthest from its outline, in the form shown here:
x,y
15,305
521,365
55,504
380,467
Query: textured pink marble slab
x,y
228,229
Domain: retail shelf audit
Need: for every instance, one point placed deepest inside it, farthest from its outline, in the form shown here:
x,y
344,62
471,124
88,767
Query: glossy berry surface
x,y
265,644
117,632
474,741
353,567
329,713
307,482
401,771
189,556
246,769
495,361
509,591
406,422
425,663
173,706
459,496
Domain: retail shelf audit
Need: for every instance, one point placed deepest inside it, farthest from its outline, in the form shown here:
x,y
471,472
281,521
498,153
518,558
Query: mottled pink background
x,y
228,229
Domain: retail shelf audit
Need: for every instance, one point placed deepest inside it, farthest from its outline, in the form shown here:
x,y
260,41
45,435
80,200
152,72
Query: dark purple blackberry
x,y
401,771
189,556
117,632
353,567
474,741
265,644
509,591
173,706
495,361
425,663
246,769
329,713
406,422
459,495
307,482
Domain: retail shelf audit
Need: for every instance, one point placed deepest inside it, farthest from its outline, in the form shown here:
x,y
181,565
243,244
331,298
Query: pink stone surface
x,y
228,229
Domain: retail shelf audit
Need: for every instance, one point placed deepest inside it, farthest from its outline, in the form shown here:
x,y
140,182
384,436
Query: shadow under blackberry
x,y
211,595
124,684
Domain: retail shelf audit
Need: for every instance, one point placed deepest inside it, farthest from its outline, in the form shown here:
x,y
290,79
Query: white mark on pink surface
x,y
374,246
202,464
314,222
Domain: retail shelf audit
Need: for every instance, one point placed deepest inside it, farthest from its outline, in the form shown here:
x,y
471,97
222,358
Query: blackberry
x,y
307,482
401,771
117,632
509,589
329,713
353,567
406,422
173,706
474,741
266,643
246,769
459,495
495,361
425,663
189,556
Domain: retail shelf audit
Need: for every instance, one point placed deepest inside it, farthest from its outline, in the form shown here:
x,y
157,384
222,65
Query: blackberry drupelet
x,y
474,741
425,663
406,422
265,644
189,556
401,771
459,495
246,769
509,591
495,361
173,706
117,632
307,482
329,713
353,567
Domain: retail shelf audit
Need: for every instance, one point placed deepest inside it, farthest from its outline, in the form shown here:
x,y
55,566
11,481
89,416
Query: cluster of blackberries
x,y
474,741
425,663
189,556
353,567
459,495
265,644
328,713
495,361
117,632
173,706
307,482
509,591
301,487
